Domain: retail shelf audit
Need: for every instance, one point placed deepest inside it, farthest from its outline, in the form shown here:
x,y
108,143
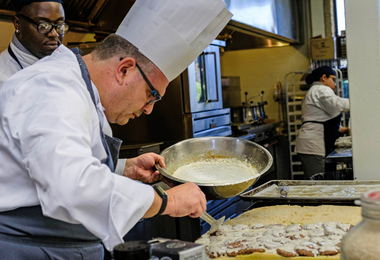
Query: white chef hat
x,y
172,33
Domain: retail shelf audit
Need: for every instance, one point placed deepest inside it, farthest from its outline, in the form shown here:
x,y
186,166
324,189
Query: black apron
x,y
25,233
330,132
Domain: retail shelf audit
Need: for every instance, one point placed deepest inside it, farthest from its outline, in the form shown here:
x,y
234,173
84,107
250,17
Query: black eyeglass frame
x,y
55,26
152,89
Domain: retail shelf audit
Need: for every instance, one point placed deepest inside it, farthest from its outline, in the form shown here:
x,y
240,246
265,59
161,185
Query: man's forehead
x,y
49,11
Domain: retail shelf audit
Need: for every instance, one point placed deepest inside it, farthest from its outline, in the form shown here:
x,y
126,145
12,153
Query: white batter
x,y
218,170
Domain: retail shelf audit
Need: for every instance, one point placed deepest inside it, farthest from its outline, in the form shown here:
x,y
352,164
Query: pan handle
x,y
165,180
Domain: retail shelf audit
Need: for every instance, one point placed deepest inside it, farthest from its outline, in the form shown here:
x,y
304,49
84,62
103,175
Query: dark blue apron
x,y
330,132
110,144
25,233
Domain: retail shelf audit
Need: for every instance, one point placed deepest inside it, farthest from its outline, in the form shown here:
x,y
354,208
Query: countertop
x,y
250,132
340,154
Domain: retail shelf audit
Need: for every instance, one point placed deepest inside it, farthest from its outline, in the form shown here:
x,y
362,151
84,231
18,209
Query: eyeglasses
x,y
46,27
157,96
153,91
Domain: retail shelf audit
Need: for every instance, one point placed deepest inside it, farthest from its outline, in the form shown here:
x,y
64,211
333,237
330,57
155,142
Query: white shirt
x,y
51,152
320,104
9,66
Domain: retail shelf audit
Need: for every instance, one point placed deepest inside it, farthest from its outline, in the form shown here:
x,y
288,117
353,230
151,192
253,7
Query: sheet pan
x,y
319,192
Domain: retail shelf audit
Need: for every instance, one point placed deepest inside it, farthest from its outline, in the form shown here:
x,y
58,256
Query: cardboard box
x,y
323,48
179,250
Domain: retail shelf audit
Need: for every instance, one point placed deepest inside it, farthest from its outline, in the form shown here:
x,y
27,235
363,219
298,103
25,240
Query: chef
x,y
321,115
59,198
39,29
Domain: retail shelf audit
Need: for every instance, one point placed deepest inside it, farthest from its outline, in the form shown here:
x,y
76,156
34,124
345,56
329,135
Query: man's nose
x,y
148,109
53,33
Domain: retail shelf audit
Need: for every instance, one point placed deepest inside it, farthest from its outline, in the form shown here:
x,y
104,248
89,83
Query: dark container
x,y
346,174
133,250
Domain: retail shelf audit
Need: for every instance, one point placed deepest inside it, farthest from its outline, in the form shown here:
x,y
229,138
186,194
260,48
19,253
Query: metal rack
x,y
293,100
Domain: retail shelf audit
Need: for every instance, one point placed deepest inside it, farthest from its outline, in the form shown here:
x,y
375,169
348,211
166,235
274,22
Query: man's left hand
x,y
142,168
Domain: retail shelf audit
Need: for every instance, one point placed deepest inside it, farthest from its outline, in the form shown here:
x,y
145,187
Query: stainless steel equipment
x,y
250,112
203,82
311,192
215,224
195,149
244,114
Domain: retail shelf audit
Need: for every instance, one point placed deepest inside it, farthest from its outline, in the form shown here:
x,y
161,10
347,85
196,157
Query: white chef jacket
x,y
320,104
51,152
9,66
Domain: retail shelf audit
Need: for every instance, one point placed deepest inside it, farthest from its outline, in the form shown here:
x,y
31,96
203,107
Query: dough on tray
x,y
283,232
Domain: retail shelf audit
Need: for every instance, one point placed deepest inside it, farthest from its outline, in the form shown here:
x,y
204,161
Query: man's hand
x,y
185,200
141,168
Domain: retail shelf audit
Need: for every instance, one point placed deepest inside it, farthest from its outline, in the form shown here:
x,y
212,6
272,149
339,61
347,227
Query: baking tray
x,y
318,192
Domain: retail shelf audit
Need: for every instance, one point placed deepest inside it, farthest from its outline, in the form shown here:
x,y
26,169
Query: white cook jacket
x,y
320,104
9,66
51,152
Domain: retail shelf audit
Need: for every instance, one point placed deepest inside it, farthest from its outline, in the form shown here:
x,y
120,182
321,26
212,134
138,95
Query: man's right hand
x,y
185,200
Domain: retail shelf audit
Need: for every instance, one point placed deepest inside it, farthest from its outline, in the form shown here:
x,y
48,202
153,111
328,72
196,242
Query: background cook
x,y
39,30
59,198
321,116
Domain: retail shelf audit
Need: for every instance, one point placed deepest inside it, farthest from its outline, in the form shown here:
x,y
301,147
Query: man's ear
x,y
16,23
123,69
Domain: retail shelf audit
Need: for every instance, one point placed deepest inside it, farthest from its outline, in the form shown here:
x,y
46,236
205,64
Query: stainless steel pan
x,y
195,149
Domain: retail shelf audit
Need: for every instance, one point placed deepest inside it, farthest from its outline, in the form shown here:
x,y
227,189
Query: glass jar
x,y
362,241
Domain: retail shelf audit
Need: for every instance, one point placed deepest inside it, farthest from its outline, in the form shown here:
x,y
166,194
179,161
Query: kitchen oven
x,y
203,82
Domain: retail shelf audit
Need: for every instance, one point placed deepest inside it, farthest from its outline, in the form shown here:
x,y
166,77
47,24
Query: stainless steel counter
x,y
340,155
255,133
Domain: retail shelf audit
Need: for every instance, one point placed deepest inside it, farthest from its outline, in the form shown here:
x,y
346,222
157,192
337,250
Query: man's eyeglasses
x,y
46,27
154,92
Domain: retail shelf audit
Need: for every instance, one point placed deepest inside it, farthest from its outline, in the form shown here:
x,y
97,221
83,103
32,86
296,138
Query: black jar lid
x,y
132,250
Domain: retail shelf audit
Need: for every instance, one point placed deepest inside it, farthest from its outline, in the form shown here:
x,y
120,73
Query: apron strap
x,y
315,122
13,55
110,144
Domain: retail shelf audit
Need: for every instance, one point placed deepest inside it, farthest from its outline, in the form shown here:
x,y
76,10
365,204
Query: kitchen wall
x,y
7,30
261,69
363,54
317,18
